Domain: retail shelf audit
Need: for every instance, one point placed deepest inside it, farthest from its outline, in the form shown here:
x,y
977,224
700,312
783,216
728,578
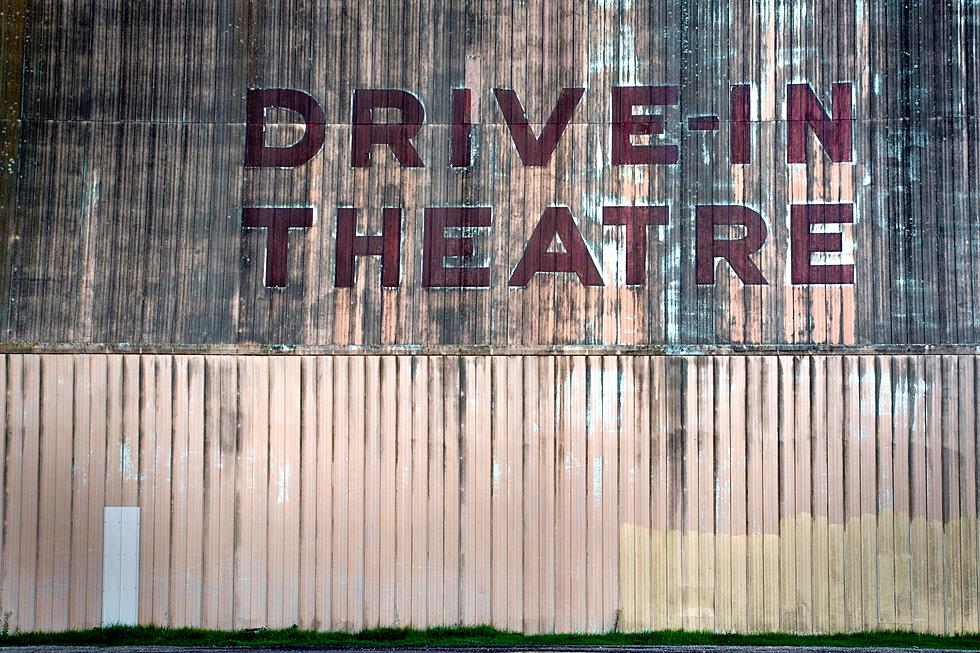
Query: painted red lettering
x,y
278,221
397,136
803,243
736,251
260,155
436,247
803,111
626,124
461,134
556,220
636,219
740,145
537,151
350,245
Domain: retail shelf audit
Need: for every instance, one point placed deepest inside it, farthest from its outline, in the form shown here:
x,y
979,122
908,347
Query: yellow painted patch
x,y
875,572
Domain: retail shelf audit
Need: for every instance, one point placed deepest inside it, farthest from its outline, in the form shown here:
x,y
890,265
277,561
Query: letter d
x,y
257,153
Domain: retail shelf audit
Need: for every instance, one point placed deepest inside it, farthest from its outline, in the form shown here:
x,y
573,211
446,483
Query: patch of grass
x,y
478,636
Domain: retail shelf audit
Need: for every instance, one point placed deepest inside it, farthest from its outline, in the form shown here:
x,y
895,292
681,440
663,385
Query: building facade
x,y
550,315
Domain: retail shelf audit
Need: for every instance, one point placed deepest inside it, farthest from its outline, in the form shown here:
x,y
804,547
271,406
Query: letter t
x,y
278,220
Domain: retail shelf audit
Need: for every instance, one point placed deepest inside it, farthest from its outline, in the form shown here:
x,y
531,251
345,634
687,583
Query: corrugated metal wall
x,y
537,493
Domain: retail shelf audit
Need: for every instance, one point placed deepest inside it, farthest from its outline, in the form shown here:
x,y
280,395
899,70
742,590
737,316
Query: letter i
x,y
740,147
461,136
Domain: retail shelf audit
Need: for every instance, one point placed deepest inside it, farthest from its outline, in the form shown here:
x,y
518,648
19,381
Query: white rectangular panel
x,y
120,565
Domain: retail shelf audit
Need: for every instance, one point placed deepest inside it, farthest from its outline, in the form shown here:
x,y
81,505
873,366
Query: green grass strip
x,y
479,636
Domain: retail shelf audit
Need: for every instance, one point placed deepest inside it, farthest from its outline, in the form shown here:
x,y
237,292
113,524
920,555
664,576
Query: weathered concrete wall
x,y
130,177
536,493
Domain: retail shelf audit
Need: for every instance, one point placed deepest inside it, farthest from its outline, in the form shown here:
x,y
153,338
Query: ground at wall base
x,y
469,637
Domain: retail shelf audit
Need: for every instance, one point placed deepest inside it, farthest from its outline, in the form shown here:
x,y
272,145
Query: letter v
x,y
536,152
